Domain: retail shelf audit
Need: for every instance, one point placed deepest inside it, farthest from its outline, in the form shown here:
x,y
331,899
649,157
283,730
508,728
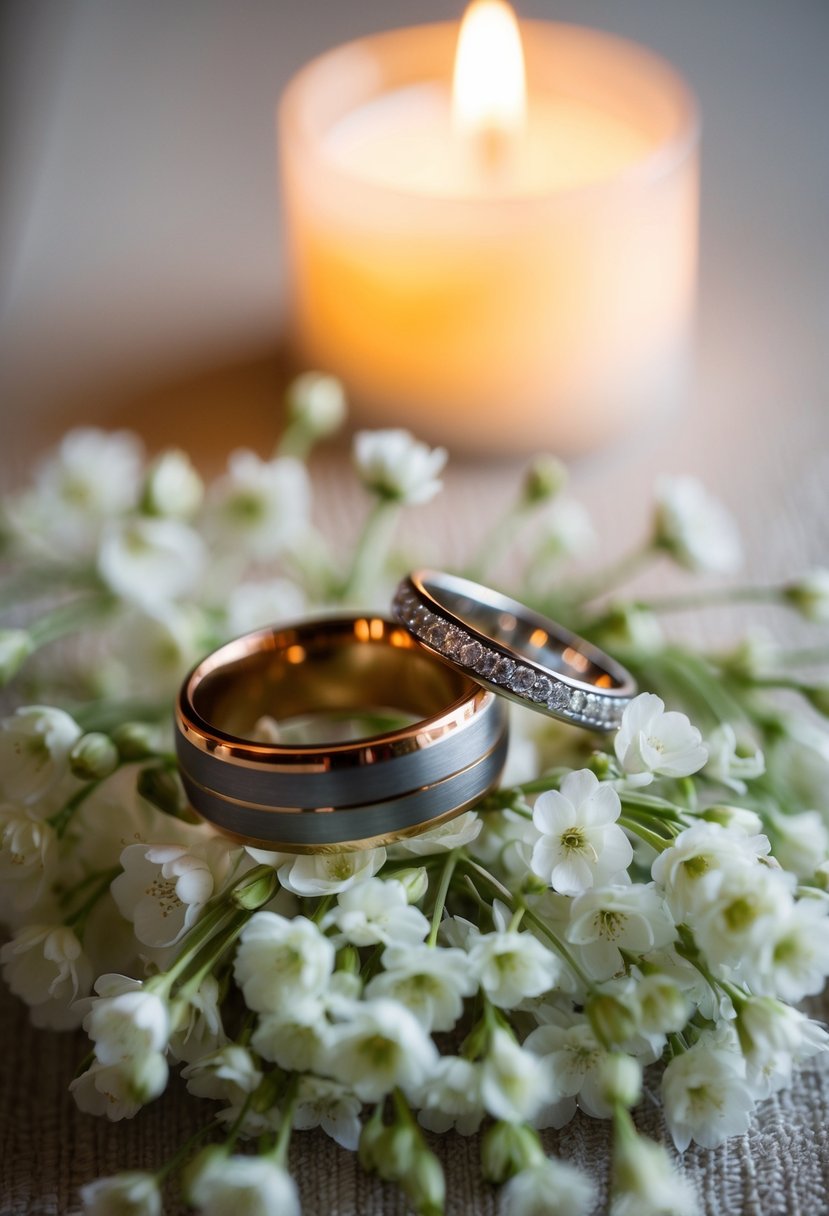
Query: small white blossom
x,y
227,1075
810,595
728,763
165,642
197,1028
35,742
297,1037
515,1083
737,818
581,844
164,888
566,530
512,966
451,1097
148,560
607,920
430,983
329,1105
796,950
454,834
800,841
45,966
260,507
119,1090
311,874
774,1038
694,527
574,1058
28,857
317,403
738,916
382,1045
699,856
132,1193
705,1093
280,960
222,1185
259,605
378,911
126,1021
395,465
652,743
549,1188
172,486
645,1183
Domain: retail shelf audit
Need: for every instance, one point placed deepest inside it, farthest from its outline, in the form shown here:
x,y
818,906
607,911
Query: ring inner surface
x,y
525,637
325,677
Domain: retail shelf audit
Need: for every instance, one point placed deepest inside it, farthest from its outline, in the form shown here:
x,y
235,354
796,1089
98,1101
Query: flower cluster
x,y
657,900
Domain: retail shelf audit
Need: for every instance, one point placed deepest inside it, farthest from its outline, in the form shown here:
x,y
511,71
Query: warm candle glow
x,y
489,91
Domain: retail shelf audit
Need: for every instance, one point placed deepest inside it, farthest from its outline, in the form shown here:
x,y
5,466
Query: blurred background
x,y
141,275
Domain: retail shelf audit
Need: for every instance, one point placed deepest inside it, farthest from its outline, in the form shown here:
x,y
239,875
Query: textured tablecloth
x,y
771,464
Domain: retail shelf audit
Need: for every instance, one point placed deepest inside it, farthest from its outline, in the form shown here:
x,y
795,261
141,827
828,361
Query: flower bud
x,y
396,1151
15,647
425,1184
818,698
507,1148
135,740
611,1019
809,595
317,403
533,885
162,787
628,627
738,817
93,757
545,478
173,488
415,883
620,1079
663,1006
208,1157
371,1138
257,891
602,765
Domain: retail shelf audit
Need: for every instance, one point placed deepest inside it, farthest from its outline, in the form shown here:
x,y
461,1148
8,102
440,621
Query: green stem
x,y
212,921
713,597
297,441
652,838
497,541
172,1164
61,819
70,618
442,892
205,960
608,579
77,920
279,1153
371,549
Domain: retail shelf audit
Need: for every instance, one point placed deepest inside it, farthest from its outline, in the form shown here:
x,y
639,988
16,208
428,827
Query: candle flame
x,y
489,90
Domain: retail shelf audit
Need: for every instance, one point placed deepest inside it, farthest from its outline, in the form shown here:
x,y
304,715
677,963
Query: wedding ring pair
x,y
443,668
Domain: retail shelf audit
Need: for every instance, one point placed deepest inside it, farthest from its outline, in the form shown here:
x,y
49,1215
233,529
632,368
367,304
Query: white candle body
x,y
543,304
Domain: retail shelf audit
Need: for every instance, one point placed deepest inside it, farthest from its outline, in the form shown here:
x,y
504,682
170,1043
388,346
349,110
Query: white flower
x,y
172,486
329,1105
377,911
454,834
28,857
515,1083
148,560
297,1037
451,1097
120,1090
581,843
261,507
737,917
164,888
645,1182
327,873
227,1075
651,742
317,403
127,1021
661,1005
796,950
281,960
566,530
705,1093
430,982
774,1037
198,1029
512,966
550,1188
258,605
810,595
800,841
381,1046
221,1185
607,920
702,855
35,742
395,465
165,642
132,1193
727,763
694,527
574,1059
45,965
93,476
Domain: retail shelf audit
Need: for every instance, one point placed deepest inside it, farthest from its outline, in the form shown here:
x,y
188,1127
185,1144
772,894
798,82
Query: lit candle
x,y
500,265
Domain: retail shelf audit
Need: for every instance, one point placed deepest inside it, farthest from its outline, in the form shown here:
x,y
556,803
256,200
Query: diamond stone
x,y
541,689
454,641
522,680
470,653
503,669
437,634
486,664
559,697
578,700
421,619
